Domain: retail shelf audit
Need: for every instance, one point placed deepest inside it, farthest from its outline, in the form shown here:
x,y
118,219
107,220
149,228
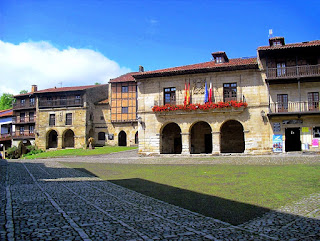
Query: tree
x,y
23,92
6,101
97,83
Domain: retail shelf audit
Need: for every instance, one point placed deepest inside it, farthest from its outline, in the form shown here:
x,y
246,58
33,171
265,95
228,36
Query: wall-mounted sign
x,y
305,129
315,142
277,143
276,127
286,122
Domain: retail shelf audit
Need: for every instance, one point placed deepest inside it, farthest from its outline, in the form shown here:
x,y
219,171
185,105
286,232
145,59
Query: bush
x,y
32,150
12,153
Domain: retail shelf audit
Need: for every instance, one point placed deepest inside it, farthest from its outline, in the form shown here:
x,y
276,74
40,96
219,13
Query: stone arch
x,y
232,137
122,138
200,138
171,141
68,139
52,139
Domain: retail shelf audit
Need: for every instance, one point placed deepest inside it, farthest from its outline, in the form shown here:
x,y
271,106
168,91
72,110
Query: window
x,y
63,100
101,136
124,110
49,101
23,102
316,132
31,129
229,92
21,130
52,120
219,59
124,89
277,43
22,117
101,118
31,101
313,101
69,119
282,102
31,116
281,69
170,95
77,99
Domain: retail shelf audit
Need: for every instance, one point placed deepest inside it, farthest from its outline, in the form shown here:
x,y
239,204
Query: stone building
x,y
176,118
24,118
292,75
65,115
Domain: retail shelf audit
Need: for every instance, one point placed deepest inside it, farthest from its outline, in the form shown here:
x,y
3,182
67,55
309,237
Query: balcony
x,y
294,108
197,106
301,71
24,120
5,137
19,106
60,103
23,134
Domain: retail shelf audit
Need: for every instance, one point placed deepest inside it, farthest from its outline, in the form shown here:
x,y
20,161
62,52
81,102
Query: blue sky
x,y
156,34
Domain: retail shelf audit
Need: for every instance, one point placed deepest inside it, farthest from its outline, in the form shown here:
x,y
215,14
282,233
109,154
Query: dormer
x,y
220,57
276,41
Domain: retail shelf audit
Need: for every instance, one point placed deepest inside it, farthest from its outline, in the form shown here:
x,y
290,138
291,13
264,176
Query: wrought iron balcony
x,y
23,120
294,107
293,72
60,103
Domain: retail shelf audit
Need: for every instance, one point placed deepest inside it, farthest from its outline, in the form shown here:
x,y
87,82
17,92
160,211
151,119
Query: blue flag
x,y
206,94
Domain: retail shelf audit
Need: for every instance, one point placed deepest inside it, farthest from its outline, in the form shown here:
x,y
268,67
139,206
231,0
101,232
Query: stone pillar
x,y
59,139
247,142
185,143
216,142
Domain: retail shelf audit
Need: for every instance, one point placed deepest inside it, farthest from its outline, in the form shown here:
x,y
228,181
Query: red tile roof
x,y
124,78
26,94
211,66
294,45
5,113
64,89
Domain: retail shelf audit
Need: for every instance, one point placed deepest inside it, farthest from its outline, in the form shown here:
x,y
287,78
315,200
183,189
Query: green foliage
x,y
33,150
6,100
21,149
23,92
97,83
12,153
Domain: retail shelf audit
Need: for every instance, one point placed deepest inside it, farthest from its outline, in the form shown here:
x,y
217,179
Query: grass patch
x,y
232,193
80,152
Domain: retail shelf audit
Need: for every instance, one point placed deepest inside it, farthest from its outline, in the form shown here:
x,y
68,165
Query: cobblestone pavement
x,y
43,200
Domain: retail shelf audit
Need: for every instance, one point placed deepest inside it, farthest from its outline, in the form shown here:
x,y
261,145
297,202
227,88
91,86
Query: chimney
x,y
141,69
34,88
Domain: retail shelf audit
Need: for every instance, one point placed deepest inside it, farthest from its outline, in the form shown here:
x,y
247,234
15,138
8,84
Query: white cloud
x,y
46,66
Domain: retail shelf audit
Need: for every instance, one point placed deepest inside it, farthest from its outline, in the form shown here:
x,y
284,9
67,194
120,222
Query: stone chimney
x,y
141,69
34,88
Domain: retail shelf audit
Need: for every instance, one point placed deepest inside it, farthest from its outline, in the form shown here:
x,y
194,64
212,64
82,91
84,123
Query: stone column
x,y
247,142
185,143
216,142
59,139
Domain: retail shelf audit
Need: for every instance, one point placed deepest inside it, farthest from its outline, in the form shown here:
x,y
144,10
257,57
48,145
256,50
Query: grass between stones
x,y
80,152
231,193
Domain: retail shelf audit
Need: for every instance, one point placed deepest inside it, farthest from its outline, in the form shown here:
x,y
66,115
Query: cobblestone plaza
x,y
44,200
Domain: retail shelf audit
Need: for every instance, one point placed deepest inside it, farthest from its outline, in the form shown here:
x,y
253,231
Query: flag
x,y
210,93
185,93
205,93
188,95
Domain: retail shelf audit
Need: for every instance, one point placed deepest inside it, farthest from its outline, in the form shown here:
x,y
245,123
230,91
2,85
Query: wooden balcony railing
x,y
19,120
60,103
26,105
293,72
22,134
294,107
6,136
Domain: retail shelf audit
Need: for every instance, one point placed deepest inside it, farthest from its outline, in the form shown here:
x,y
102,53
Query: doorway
x,y
293,142
122,138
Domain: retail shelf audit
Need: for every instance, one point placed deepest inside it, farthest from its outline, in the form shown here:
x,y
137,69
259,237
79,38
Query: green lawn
x,y
232,193
80,152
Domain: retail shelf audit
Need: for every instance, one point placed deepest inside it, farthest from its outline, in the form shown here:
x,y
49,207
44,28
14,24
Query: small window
x,y
31,101
124,89
22,101
170,95
229,91
219,59
31,116
77,99
281,69
22,117
31,129
124,110
69,119
21,130
52,120
101,136
316,132
277,43
101,117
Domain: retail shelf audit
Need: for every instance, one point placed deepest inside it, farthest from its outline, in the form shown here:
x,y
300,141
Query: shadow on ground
x,y
223,209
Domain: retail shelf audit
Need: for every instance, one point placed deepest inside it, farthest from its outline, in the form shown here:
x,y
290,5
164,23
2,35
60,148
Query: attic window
x,y
277,43
220,57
